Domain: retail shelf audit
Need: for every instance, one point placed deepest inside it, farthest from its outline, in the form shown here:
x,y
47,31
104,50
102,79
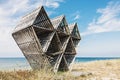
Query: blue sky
x,y
98,21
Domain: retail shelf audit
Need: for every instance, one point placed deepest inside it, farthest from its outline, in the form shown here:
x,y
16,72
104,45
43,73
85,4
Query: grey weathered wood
x,y
47,43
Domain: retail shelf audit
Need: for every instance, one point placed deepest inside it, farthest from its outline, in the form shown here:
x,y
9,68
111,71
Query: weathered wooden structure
x,y
47,42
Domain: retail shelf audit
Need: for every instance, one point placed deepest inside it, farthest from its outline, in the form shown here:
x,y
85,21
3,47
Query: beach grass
x,y
96,70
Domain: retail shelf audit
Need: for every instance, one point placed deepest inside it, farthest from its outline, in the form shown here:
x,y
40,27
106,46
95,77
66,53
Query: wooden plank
x,y
58,63
37,41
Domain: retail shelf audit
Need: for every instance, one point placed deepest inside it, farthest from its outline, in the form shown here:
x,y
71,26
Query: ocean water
x,y
21,63
89,59
14,64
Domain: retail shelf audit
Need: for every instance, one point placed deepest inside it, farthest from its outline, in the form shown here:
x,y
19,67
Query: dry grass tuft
x,y
101,70
97,70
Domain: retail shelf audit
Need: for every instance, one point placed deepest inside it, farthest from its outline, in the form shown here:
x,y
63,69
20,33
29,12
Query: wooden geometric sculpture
x,y
47,42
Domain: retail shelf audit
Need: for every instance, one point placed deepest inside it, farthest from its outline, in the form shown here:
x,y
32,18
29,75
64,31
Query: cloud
x,y
107,22
11,10
76,15
10,13
49,3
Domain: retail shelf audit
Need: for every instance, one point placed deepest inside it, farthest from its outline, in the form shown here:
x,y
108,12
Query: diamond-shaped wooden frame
x,y
47,43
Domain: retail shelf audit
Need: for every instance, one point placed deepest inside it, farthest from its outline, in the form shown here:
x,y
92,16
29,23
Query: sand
x,y
96,70
100,70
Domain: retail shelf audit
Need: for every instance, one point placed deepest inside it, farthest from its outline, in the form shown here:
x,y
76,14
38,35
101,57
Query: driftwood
x,y
47,42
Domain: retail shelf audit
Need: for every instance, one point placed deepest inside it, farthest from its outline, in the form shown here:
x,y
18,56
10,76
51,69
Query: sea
x,y
22,64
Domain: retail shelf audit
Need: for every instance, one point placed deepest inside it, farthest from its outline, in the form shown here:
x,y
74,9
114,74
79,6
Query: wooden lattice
x,y
47,43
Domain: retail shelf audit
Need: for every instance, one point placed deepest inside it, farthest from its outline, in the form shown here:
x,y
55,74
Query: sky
x,y
98,23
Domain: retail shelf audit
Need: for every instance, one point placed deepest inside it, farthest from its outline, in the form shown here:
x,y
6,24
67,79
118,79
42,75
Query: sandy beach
x,y
99,70
95,70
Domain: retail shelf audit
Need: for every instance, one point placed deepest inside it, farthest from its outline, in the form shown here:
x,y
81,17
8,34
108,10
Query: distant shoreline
x,y
22,63
89,59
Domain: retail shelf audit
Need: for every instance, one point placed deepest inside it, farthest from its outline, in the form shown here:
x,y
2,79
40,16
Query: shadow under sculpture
x,y
47,43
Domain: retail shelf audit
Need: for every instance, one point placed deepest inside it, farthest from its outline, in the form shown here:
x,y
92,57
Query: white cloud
x,y
10,13
107,22
76,15
49,3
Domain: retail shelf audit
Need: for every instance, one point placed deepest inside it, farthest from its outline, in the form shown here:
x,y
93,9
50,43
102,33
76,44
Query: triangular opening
x,y
63,26
70,47
63,65
42,20
56,21
69,58
55,45
52,60
44,37
75,41
63,40
75,32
